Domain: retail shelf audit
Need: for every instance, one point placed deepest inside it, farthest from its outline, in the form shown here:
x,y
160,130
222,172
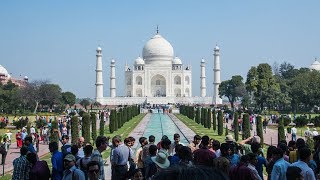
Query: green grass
x,y
199,129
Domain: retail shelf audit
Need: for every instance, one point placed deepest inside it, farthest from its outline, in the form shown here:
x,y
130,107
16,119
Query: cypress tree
x,y
74,129
86,127
205,117
28,127
118,120
202,116
246,126
220,123
227,130
54,135
209,114
281,135
125,115
101,130
129,113
236,126
93,119
198,115
214,120
259,129
192,112
121,117
111,121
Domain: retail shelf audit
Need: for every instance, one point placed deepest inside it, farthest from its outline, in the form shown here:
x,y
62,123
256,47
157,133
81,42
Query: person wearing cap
x,y
71,172
161,161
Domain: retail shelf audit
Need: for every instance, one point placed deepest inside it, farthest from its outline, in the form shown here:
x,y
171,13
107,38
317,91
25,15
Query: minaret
x,y
99,80
216,72
113,79
203,78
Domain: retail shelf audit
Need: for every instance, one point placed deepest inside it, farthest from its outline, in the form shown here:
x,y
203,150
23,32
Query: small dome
x,y
139,61
315,65
202,60
216,48
176,60
113,61
4,72
157,50
99,48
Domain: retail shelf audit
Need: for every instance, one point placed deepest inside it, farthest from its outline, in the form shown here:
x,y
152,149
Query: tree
x,y
86,127
203,116
112,119
101,130
68,98
287,70
74,129
236,126
198,116
50,95
233,89
93,119
220,123
214,120
226,130
281,135
209,117
54,135
246,126
85,103
259,129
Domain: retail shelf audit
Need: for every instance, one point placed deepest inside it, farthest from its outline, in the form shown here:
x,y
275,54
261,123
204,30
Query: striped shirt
x,y
96,156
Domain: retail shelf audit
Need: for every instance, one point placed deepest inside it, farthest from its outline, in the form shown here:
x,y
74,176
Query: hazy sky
x,y
56,40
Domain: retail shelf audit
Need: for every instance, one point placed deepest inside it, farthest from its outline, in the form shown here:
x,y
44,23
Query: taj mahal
x,y
158,77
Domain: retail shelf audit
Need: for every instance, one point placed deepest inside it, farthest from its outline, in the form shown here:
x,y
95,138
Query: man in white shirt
x,y
315,132
294,133
32,130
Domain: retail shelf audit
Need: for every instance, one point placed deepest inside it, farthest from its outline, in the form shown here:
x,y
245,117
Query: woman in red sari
x,y
19,139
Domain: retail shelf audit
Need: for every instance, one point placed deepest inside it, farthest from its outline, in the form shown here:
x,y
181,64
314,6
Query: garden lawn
x,y
200,130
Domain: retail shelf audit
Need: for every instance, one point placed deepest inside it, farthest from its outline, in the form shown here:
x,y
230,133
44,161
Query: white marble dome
x,y
315,65
139,61
176,60
4,72
158,51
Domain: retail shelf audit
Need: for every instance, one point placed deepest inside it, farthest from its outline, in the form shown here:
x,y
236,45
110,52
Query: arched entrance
x,y
158,86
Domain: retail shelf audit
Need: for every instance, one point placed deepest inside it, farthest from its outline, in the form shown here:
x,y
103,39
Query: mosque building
x,y
5,77
158,77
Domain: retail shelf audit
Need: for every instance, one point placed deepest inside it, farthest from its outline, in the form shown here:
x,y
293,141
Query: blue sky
x,y
56,40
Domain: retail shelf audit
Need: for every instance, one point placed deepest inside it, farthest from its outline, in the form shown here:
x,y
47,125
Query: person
x,y
204,156
246,144
21,166
101,144
315,132
74,151
119,159
71,171
82,162
56,160
265,124
9,134
241,171
24,134
176,141
294,133
280,166
80,147
150,167
138,160
28,143
186,156
163,138
161,161
66,147
175,159
194,145
145,150
93,169
222,162
165,146
4,148
294,173
216,147
32,130
39,169
45,135
19,139
255,147
251,165
304,159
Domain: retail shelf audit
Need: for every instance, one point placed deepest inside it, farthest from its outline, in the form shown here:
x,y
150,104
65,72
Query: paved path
x,y
269,138
14,153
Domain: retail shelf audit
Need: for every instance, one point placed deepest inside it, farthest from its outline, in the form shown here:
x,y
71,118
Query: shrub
x,y
40,123
220,123
209,117
246,126
286,120
74,129
54,134
86,127
198,115
301,121
2,125
93,126
236,126
316,121
227,132
281,134
101,127
20,123
259,129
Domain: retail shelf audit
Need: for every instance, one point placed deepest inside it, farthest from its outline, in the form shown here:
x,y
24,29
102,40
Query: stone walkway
x,y
14,153
269,138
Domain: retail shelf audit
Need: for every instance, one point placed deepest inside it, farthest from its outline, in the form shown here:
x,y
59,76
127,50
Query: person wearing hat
x,y
71,172
161,160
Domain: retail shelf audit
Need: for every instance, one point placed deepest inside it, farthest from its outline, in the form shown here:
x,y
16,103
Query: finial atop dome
x,y
157,29
217,47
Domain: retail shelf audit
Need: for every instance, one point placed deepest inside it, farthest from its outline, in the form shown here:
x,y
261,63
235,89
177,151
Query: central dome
x,y
158,51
